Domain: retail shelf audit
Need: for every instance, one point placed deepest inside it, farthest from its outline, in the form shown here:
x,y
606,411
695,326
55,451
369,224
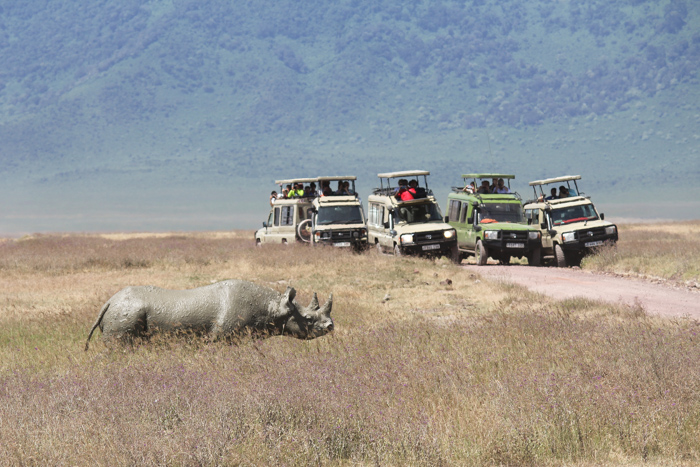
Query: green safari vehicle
x,y
491,225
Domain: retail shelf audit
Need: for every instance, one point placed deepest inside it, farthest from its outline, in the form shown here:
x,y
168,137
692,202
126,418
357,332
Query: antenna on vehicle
x,y
488,140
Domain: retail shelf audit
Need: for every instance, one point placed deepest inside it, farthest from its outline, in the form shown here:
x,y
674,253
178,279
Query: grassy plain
x,y
418,371
668,251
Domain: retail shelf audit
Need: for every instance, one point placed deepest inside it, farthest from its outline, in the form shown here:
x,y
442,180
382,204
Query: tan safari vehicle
x,y
570,225
285,223
414,226
338,218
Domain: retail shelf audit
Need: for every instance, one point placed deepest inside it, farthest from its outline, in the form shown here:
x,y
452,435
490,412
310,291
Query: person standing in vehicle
x,y
501,188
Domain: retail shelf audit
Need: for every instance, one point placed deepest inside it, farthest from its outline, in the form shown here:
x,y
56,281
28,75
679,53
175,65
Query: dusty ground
x,y
662,299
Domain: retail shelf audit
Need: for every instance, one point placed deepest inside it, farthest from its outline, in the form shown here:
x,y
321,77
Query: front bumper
x,y
584,244
341,238
514,247
441,248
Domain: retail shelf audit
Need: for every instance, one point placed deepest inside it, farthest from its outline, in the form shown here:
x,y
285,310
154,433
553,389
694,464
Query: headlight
x,y
356,234
569,236
491,234
611,230
533,235
363,232
407,238
449,233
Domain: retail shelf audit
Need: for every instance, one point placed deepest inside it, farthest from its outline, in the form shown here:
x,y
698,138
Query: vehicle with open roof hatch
x,y
285,222
571,226
338,217
491,225
404,217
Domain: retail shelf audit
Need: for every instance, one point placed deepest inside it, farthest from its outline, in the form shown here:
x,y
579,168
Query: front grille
x,y
514,236
426,237
591,235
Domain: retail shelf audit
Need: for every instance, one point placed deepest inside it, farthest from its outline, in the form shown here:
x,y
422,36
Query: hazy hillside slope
x,y
123,110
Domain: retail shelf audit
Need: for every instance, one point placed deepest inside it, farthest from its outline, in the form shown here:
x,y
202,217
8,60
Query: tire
x,y
455,255
304,231
559,257
258,243
481,253
397,251
535,257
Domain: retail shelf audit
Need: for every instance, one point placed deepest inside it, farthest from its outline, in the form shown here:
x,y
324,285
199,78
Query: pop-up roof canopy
x,y
405,173
332,179
295,180
547,181
503,176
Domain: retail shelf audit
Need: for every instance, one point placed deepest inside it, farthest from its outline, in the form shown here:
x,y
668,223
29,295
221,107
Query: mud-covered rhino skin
x,y
219,310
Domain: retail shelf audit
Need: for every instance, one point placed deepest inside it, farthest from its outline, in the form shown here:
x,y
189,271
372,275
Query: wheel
x,y
535,257
455,255
378,248
481,253
304,230
397,251
258,243
559,257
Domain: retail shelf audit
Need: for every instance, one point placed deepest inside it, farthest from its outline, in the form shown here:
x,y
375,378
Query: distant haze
x,y
179,115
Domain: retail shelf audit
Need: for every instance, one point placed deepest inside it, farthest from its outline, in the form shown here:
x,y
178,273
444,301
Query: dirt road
x,y
660,299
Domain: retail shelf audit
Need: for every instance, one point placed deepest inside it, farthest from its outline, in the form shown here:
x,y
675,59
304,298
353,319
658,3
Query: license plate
x,y
341,244
515,245
590,244
431,247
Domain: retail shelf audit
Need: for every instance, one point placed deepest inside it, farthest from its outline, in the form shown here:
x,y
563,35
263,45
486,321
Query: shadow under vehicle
x,y
412,226
571,227
285,223
338,218
491,225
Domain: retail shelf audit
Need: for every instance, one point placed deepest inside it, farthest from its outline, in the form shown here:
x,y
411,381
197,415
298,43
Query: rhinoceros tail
x,y
97,323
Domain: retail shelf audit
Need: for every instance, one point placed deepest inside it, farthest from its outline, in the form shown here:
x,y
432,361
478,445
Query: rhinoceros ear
x,y
289,294
326,310
313,306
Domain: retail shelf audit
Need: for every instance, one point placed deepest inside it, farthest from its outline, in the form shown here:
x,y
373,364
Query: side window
x,y
532,216
463,216
453,210
270,218
287,215
277,217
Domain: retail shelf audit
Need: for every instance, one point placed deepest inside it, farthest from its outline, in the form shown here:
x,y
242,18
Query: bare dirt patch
x,y
663,299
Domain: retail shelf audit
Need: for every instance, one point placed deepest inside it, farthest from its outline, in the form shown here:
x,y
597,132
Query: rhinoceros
x,y
220,310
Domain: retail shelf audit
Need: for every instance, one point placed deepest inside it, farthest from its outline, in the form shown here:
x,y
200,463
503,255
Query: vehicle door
x,y
545,224
285,225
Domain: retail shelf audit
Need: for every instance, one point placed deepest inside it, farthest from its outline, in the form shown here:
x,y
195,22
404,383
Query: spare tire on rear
x,y
304,230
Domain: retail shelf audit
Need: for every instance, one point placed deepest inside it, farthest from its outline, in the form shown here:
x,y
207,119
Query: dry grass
x,y
467,373
667,251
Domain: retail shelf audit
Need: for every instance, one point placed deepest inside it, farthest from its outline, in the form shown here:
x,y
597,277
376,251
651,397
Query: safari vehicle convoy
x,y
406,219
323,217
338,218
286,215
570,225
491,224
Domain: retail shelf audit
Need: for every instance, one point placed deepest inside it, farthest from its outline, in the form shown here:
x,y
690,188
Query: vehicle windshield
x,y
339,215
572,214
417,213
506,212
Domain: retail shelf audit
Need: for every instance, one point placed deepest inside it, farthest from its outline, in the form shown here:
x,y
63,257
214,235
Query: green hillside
x,y
161,114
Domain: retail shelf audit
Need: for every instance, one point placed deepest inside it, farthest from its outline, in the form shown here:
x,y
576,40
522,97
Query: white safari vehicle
x,y
285,223
413,226
570,225
338,218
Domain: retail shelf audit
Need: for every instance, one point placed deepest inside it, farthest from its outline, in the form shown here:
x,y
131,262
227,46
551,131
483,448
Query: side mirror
x,y
393,233
602,216
552,233
386,225
543,225
477,228
470,220
264,224
447,219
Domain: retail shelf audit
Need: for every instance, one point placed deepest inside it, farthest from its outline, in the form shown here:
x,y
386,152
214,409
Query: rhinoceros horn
x,y
326,309
313,306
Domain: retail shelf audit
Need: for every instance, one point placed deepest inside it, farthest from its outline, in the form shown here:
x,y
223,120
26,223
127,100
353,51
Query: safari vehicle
x,y
571,227
491,224
413,226
286,217
338,219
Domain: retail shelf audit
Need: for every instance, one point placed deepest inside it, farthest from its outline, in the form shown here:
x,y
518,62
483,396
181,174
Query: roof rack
x,y
405,173
332,178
